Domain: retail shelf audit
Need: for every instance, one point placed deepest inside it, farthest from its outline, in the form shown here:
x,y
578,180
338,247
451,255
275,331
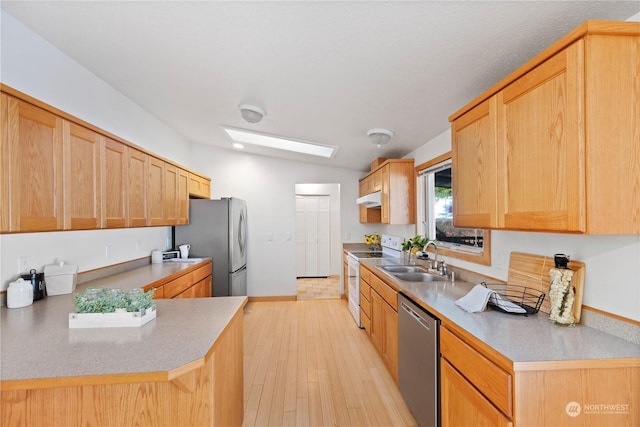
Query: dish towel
x,y
476,300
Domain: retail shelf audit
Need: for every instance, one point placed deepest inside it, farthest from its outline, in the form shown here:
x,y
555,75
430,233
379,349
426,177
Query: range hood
x,y
373,200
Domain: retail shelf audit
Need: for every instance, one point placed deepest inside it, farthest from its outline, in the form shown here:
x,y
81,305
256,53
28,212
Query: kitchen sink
x,y
419,277
403,269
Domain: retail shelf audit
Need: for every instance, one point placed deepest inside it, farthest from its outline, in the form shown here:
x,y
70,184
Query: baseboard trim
x,y
273,298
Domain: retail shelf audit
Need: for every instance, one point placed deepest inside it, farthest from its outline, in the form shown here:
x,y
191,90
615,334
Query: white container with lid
x,y
60,278
19,294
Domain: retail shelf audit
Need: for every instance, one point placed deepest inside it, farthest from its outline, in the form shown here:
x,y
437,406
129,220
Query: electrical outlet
x,y
270,237
107,252
24,264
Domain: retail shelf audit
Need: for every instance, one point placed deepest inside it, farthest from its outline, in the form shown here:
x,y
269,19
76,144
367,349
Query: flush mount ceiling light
x,y
380,136
271,141
251,113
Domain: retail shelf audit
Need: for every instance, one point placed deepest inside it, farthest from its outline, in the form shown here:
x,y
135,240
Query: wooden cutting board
x,y
532,271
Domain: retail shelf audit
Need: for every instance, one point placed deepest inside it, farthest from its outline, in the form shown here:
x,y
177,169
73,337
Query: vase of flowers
x,y
373,240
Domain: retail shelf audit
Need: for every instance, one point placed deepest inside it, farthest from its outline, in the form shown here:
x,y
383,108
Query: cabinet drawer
x,y
385,291
365,275
178,286
365,291
365,305
489,379
366,321
201,273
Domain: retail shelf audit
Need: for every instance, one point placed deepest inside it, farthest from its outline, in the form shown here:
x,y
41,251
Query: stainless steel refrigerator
x,y
218,229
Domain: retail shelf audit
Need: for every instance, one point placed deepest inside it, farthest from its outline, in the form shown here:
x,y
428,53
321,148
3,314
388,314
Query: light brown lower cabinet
x,y
463,405
191,284
379,315
482,388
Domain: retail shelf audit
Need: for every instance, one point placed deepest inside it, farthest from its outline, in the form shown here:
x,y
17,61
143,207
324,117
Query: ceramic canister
x,y
19,294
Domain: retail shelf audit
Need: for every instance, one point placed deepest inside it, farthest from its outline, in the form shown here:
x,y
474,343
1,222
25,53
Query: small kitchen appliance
x,y
61,278
37,282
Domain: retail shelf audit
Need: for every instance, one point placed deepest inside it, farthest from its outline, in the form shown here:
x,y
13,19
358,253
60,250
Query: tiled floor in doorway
x,y
318,287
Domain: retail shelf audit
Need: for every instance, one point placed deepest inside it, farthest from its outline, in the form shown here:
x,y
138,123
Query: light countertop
x,y
520,339
36,342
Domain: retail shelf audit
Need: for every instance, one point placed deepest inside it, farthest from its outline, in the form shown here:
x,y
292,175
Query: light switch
x,y
270,237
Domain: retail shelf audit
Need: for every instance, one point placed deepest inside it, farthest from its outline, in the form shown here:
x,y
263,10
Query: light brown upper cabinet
x,y
396,179
474,168
170,194
183,197
137,188
199,186
32,154
4,166
82,149
155,191
563,131
58,172
114,184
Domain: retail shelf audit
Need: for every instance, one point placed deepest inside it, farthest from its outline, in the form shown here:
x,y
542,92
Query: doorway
x,y
318,244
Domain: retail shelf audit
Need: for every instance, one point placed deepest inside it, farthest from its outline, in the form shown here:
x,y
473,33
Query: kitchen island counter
x,y
174,370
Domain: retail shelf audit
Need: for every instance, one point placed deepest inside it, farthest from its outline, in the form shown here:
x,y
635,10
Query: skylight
x,y
271,141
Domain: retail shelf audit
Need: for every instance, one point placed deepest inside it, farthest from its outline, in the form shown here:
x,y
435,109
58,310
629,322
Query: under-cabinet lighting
x,y
280,143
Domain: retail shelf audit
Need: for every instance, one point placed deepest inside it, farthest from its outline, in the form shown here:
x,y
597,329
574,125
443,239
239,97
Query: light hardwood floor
x,y
308,364
318,287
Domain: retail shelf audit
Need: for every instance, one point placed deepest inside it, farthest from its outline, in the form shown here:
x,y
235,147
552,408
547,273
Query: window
x,y
435,215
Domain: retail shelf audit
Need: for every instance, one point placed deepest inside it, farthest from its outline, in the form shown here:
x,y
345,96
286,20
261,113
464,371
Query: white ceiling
x,y
324,71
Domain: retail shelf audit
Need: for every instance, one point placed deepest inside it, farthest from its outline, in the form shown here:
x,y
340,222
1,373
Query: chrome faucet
x,y
439,266
434,264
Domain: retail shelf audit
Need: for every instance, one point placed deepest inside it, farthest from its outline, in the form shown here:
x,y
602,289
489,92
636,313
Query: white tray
x,y
111,320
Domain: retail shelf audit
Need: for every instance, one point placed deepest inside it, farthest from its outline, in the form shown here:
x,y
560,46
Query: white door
x,y
312,236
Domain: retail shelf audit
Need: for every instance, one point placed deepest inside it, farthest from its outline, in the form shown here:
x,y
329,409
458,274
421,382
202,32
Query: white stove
x,y
391,248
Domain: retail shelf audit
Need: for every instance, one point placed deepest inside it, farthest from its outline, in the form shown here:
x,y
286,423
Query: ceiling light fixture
x,y
238,146
271,141
380,136
251,113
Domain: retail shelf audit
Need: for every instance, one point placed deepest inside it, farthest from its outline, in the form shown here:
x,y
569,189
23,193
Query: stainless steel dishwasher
x,y
418,361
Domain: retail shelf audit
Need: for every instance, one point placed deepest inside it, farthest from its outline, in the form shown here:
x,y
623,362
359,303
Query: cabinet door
x,y
377,328
156,193
114,184
170,194
613,138
462,405
82,183
4,166
474,168
199,187
137,189
386,200
34,158
183,197
390,339
202,289
541,155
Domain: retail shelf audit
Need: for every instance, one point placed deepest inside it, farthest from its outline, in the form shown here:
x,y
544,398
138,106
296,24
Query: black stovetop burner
x,y
368,254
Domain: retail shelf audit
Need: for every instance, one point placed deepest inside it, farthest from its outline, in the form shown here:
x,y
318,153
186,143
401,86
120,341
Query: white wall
x,y
33,66
612,278
269,187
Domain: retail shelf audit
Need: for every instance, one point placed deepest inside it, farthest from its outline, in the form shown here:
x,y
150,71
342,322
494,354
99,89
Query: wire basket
x,y
526,298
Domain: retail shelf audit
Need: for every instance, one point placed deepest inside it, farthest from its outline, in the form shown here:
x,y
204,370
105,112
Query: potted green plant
x,y
413,245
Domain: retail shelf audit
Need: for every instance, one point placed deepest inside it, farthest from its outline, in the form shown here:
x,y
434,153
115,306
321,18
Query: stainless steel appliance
x,y
418,361
391,248
218,229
